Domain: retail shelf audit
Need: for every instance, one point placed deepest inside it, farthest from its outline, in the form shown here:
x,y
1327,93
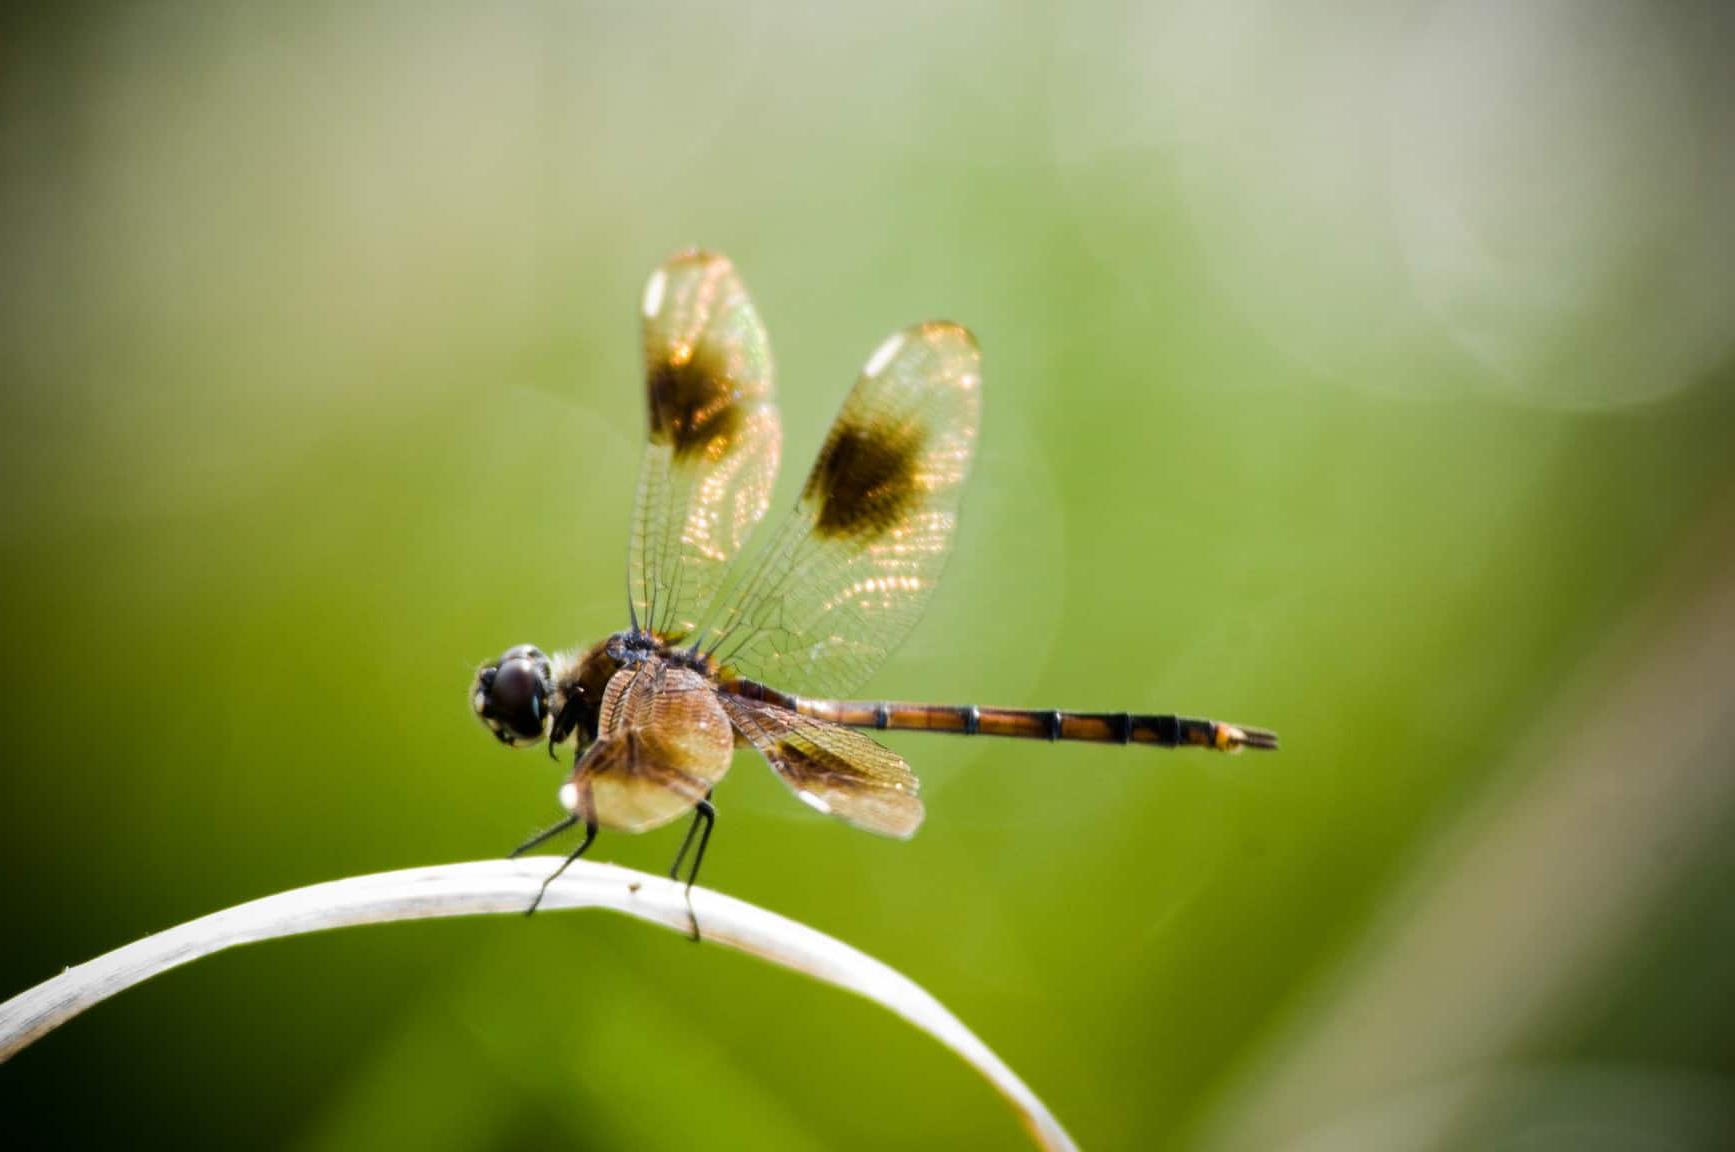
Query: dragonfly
x,y
726,649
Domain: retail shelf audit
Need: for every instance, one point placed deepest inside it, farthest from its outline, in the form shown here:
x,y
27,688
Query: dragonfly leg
x,y
584,845
704,812
545,834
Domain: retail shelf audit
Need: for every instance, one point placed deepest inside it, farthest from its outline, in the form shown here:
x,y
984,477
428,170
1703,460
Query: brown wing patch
x,y
693,406
864,481
833,769
849,573
714,435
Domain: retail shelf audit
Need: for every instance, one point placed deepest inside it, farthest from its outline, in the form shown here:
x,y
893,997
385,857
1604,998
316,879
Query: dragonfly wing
x,y
664,742
714,437
851,570
834,769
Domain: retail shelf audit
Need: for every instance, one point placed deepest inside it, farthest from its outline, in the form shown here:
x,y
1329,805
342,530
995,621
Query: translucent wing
x,y
850,572
663,741
714,438
833,769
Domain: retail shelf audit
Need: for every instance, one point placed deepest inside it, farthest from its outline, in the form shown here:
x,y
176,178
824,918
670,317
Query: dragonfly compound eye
x,y
511,697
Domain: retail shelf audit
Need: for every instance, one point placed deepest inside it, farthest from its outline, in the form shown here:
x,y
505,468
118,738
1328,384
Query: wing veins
x,y
850,571
713,439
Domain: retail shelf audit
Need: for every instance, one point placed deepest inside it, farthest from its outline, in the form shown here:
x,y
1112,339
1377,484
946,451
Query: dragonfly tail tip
x,y
1232,738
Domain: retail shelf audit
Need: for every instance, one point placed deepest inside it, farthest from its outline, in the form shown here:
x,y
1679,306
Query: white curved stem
x,y
507,886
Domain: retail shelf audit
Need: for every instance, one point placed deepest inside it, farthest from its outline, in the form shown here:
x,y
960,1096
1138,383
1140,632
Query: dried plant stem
x,y
506,886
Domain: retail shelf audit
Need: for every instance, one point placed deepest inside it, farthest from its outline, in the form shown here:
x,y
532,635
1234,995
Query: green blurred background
x,y
1364,373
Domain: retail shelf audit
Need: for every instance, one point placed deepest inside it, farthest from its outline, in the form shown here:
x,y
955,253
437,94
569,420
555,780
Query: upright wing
x,y
849,573
834,769
714,439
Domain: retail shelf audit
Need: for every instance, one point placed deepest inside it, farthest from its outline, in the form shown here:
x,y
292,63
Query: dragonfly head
x,y
510,696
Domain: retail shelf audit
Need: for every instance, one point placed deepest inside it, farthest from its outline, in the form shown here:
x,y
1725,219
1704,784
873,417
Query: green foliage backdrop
x,y
1309,404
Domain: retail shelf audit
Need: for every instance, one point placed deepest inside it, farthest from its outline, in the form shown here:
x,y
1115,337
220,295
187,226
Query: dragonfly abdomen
x,y
1159,730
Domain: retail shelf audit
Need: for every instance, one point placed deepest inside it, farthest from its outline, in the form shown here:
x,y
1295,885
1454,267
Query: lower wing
x,y
831,768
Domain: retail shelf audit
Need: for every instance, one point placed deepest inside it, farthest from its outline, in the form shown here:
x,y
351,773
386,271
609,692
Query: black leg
x,y
675,868
589,835
545,834
703,812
